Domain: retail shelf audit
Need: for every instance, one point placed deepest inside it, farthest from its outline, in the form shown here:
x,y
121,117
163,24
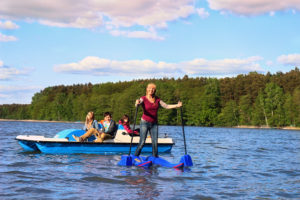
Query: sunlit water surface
x,y
228,164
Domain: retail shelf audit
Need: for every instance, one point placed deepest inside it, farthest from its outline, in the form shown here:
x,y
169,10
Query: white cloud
x,y
115,14
8,25
202,13
80,22
17,88
222,67
149,68
254,7
101,66
137,34
272,13
17,93
291,59
8,73
7,38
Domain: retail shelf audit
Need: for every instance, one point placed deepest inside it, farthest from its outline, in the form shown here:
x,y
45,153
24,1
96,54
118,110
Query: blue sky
x,y
51,42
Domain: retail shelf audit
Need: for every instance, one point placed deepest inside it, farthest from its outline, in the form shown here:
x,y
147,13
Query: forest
x,y
269,100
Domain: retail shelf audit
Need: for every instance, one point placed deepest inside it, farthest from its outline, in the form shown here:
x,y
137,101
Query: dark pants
x,y
144,128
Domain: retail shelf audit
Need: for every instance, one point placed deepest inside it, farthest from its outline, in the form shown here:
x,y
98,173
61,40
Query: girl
x,y
91,127
125,122
90,121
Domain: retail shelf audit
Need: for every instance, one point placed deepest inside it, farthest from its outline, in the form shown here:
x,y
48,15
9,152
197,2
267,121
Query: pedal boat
x,y
64,143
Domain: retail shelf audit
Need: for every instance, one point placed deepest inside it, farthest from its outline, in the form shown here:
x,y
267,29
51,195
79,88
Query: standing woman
x,y
150,104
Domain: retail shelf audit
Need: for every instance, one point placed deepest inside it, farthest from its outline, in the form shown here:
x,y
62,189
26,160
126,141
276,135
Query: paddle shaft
x,y
135,115
182,124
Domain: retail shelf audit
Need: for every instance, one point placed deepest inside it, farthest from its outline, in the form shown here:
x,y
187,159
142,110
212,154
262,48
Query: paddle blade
x,y
125,161
187,160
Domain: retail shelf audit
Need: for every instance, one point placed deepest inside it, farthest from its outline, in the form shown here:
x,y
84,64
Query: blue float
x,y
129,160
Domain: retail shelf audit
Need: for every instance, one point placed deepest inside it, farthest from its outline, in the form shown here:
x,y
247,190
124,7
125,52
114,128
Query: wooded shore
x,y
241,126
259,100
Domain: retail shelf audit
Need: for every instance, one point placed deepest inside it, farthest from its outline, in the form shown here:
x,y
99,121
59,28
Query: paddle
x,y
126,160
186,159
135,115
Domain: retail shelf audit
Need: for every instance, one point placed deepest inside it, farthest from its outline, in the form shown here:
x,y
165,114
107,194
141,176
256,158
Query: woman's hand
x,y
179,104
137,102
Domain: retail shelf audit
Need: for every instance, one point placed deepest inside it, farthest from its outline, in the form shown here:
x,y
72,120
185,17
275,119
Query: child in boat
x,y
108,128
107,131
126,123
90,126
90,122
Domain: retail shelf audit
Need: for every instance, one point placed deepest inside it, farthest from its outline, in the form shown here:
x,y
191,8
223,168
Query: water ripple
x,y
228,164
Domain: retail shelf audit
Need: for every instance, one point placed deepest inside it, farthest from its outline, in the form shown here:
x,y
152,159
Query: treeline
x,y
253,99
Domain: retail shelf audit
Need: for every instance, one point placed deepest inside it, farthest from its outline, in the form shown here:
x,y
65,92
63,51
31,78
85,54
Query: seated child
x,y
126,123
108,128
90,126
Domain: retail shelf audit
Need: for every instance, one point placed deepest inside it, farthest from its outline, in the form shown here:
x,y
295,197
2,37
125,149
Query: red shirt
x,y
127,128
150,109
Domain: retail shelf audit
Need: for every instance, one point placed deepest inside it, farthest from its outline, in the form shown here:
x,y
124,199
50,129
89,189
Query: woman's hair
x,y
125,117
89,116
153,84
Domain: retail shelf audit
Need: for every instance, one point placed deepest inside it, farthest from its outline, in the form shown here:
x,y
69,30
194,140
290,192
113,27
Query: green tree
x,y
229,115
296,103
274,104
271,99
259,114
245,110
210,103
290,110
192,110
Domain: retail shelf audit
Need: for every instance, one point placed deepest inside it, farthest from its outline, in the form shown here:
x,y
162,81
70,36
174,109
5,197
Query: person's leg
x,y
103,137
143,135
154,138
99,138
88,134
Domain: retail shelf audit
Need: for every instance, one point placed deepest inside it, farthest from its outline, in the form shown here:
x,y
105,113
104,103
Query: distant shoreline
x,y
33,120
266,127
241,126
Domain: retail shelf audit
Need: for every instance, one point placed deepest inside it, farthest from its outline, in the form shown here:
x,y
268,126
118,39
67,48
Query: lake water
x,y
228,164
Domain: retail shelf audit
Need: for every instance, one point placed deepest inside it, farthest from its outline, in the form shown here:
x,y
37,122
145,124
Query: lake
x,y
228,164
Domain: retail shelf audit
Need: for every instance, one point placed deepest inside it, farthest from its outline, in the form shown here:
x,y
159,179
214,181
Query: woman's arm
x,y
128,129
169,106
95,125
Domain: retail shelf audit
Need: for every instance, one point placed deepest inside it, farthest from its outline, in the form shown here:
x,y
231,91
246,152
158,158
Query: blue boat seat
x,y
78,132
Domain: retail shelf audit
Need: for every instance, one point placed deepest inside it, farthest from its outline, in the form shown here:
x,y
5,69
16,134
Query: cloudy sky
x,y
54,42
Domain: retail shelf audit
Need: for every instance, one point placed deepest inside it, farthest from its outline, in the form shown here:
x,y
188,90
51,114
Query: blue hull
x,y
28,145
70,146
95,148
